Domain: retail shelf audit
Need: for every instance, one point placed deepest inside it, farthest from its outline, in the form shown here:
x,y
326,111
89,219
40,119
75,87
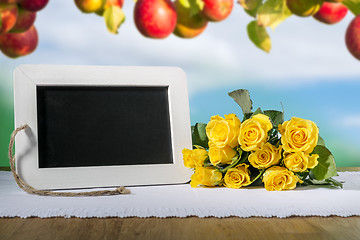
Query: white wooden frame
x,y
27,77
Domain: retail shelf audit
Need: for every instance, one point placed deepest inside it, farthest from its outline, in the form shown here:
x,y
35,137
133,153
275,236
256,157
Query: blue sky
x,y
309,68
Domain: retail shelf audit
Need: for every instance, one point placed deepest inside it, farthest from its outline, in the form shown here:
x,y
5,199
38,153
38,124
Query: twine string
x,y
29,189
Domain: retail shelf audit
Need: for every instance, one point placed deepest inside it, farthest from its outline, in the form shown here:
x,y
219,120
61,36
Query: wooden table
x,y
302,228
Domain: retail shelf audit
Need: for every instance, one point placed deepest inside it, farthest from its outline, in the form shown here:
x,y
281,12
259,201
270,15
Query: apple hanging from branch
x,y
352,37
8,15
24,21
331,12
33,5
89,6
304,8
16,45
217,10
189,23
155,18
18,35
183,18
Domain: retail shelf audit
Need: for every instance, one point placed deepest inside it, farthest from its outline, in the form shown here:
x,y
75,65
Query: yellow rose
x,y
313,161
237,177
279,178
265,157
300,162
194,158
220,155
222,131
299,135
208,176
253,132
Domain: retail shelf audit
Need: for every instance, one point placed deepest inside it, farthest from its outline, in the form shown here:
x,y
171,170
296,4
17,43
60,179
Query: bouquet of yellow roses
x,y
260,149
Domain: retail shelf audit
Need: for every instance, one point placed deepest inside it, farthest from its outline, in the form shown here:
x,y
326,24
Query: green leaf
x,y
272,12
329,181
0,20
247,116
334,182
251,13
114,17
199,135
242,98
321,141
250,115
317,182
259,36
258,111
326,167
195,6
250,6
353,6
276,117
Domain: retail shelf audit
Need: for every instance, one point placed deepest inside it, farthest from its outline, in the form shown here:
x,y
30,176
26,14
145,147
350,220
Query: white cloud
x,y
351,121
303,49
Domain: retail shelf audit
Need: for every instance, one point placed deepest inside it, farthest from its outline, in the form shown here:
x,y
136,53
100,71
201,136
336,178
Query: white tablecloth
x,y
183,201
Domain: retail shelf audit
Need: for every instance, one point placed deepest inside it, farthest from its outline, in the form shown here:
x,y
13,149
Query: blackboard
x,y
103,126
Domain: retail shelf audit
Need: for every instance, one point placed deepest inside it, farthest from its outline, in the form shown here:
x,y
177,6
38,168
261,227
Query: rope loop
x,y
29,189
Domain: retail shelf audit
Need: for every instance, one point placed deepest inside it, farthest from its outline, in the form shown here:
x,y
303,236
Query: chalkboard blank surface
x,y
101,126
81,126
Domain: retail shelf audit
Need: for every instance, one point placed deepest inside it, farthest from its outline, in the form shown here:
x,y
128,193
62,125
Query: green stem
x,y
257,177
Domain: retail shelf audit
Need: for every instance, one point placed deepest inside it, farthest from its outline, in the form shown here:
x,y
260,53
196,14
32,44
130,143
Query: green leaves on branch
x,y
259,36
353,6
114,17
250,6
269,13
199,135
272,13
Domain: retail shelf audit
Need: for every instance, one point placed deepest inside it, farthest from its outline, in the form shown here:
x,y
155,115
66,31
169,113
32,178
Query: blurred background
x,y
309,70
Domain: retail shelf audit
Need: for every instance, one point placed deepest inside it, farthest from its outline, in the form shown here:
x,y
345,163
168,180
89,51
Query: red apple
x,y
352,37
109,3
89,6
8,14
8,1
24,20
187,25
155,18
304,8
19,44
217,10
33,5
331,13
